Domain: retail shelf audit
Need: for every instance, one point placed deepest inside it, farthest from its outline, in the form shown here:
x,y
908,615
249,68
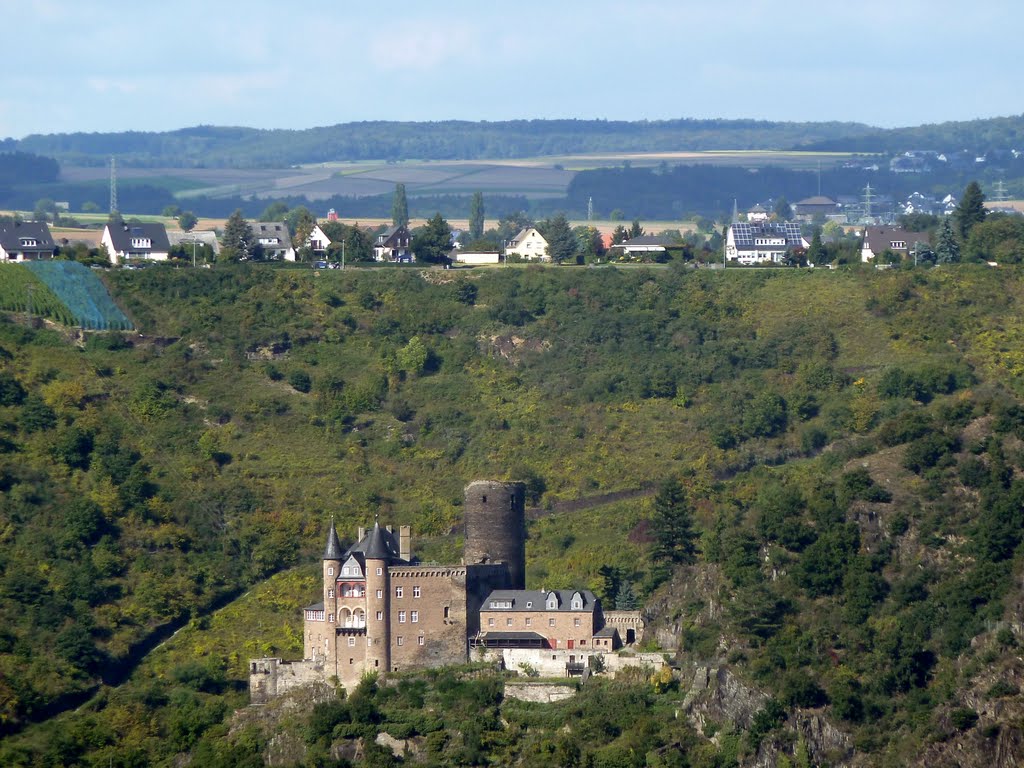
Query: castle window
x,y
508,622
501,603
575,622
399,591
330,617
369,642
351,661
351,642
330,571
355,570
490,622
414,616
420,640
380,571
551,622
529,603
401,617
380,594
447,611
529,621
583,642
400,640
415,591
483,499
380,615
344,571
330,593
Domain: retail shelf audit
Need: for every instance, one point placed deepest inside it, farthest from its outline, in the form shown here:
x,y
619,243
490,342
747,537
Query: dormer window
x,y
141,242
501,604
29,242
552,603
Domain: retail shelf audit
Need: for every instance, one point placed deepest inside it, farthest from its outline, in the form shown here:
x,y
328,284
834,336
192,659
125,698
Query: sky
x,y
114,66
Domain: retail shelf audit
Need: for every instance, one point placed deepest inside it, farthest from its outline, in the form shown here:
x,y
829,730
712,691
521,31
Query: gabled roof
x,y
12,234
744,233
816,200
536,600
333,551
525,233
385,237
268,229
880,239
122,236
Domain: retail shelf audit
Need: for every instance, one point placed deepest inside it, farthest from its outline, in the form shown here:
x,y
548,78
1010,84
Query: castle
x,y
382,611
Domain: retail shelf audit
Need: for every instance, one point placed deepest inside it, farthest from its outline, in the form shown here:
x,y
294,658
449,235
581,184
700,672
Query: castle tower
x,y
495,515
378,602
333,554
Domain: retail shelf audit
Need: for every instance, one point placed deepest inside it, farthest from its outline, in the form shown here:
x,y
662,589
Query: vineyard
x,y
83,295
23,291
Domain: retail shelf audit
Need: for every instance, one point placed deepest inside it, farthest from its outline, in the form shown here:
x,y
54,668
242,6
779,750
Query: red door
x,y
571,644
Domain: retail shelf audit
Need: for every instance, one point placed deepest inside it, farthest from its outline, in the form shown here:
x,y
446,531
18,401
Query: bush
x,y
300,381
963,718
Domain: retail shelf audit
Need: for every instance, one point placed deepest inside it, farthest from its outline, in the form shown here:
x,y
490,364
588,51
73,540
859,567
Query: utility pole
x,y
342,254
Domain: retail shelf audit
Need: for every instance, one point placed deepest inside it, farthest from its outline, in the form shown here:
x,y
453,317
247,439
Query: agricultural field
x,y
534,178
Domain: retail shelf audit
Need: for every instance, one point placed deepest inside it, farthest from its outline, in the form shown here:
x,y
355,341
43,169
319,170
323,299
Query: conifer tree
x,y
970,210
947,249
238,238
399,207
675,540
476,217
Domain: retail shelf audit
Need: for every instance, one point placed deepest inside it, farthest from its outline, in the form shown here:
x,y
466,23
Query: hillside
x,y
849,445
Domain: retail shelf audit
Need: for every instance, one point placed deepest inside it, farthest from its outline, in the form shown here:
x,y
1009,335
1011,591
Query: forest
x,y
846,446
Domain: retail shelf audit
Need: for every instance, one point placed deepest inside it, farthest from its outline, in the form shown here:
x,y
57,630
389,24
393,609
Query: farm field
x,y
535,178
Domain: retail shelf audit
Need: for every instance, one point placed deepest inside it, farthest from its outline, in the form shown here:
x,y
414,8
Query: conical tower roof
x,y
379,545
334,549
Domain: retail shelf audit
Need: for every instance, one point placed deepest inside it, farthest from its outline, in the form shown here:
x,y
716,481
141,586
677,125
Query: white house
x,y
763,242
275,240
529,244
318,242
26,241
125,242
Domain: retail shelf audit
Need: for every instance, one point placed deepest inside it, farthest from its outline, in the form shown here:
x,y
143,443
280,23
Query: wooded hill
x,y
849,447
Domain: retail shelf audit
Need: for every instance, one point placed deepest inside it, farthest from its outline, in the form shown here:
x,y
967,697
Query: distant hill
x,y
981,136
233,147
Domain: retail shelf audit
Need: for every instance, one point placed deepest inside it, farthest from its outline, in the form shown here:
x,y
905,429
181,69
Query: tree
x,y
432,242
782,210
635,230
276,211
947,249
675,540
970,210
187,220
476,217
238,239
399,207
45,209
300,219
562,243
816,253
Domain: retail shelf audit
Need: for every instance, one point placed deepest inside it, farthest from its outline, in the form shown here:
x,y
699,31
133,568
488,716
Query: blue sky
x,y
108,66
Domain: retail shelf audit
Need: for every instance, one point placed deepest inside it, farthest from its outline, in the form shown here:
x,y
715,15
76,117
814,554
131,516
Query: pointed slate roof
x,y
379,544
334,550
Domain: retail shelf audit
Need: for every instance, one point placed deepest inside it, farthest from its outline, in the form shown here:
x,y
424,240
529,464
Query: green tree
x,y
276,211
238,239
675,540
619,235
432,243
816,253
970,210
782,210
947,249
562,243
476,217
187,220
999,238
635,230
399,207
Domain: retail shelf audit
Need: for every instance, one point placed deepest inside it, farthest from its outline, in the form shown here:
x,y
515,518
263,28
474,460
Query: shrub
x,y
300,381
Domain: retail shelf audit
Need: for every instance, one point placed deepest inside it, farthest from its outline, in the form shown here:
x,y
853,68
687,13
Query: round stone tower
x,y
496,526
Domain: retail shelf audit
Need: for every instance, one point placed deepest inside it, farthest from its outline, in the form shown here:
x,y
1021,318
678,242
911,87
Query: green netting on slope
x,y
83,293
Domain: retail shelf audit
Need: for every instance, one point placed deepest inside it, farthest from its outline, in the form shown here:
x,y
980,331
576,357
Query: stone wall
x,y
552,663
269,678
541,693
630,625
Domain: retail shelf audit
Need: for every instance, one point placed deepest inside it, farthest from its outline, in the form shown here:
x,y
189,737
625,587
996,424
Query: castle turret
x,y
496,527
378,555
333,556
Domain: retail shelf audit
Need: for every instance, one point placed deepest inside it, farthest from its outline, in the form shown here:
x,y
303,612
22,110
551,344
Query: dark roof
x,y
816,200
744,233
385,237
538,599
121,237
315,607
11,235
334,550
378,544
880,239
606,631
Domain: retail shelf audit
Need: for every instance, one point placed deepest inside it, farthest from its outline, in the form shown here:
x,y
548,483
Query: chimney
x,y
405,542
362,534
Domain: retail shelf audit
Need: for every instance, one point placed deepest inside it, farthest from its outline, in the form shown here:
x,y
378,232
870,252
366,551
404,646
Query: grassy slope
x,y
246,469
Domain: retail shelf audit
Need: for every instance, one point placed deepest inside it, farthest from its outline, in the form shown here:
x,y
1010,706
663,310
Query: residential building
x,y
26,241
762,243
758,214
643,248
318,242
878,240
819,205
560,618
130,242
394,244
529,245
274,239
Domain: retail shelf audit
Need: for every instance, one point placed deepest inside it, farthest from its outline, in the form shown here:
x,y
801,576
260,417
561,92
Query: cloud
x,y
419,45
